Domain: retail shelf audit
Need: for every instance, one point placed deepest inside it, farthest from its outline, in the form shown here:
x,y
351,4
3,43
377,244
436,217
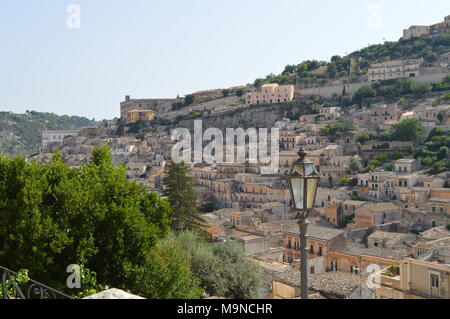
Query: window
x,y
434,281
312,271
334,266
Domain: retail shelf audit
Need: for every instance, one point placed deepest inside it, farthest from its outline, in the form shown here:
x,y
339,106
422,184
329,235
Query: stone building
x,y
415,279
271,93
407,165
395,70
140,115
372,214
320,241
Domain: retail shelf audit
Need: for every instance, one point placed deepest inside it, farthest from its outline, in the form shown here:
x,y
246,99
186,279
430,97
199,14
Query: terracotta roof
x,y
338,283
389,236
382,207
314,231
358,250
332,283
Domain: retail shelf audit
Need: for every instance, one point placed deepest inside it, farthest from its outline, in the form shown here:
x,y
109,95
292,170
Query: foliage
x,y
138,126
392,271
358,62
209,205
365,92
445,97
365,137
240,92
179,189
89,283
53,216
434,152
222,268
404,49
188,100
167,273
355,165
335,130
347,220
406,130
20,279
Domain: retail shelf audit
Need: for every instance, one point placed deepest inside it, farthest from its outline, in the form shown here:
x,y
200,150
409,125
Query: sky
x,y
81,57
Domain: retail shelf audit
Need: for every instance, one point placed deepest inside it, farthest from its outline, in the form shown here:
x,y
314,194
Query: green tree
x,y
365,92
189,99
53,216
225,92
167,274
240,92
332,70
222,268
355,165
179,189
407,130
421,88
334,131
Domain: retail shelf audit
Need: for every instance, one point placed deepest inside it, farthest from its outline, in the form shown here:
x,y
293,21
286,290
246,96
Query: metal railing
x,y
29,290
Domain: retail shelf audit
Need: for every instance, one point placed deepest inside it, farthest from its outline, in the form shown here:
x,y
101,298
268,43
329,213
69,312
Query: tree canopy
x,y
53,216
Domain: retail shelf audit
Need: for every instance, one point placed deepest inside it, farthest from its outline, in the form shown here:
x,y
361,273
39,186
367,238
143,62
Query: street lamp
x,y
303,182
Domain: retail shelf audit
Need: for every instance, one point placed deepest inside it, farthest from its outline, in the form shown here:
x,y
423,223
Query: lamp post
x,y
303,182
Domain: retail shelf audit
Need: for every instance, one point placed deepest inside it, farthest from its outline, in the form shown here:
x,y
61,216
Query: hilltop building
x,y
271,93
434,30
144,104
395,70
140,115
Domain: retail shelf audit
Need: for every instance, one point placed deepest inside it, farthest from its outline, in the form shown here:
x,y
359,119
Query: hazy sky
x,y
151,49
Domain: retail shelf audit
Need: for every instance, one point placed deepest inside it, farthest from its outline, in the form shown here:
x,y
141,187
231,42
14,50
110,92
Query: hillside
x,y
358,62
21,133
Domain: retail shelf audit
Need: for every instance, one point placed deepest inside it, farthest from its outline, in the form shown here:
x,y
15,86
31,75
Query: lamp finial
x,y
302,153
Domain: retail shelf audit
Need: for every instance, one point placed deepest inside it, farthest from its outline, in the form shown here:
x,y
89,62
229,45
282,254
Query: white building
x,y
56,137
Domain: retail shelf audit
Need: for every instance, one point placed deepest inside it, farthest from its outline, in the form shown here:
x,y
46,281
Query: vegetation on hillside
x,y
358,62
391,91
434,152
22,133
334,130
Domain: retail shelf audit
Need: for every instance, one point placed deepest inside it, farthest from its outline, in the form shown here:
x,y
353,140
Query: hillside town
x,y
392,214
